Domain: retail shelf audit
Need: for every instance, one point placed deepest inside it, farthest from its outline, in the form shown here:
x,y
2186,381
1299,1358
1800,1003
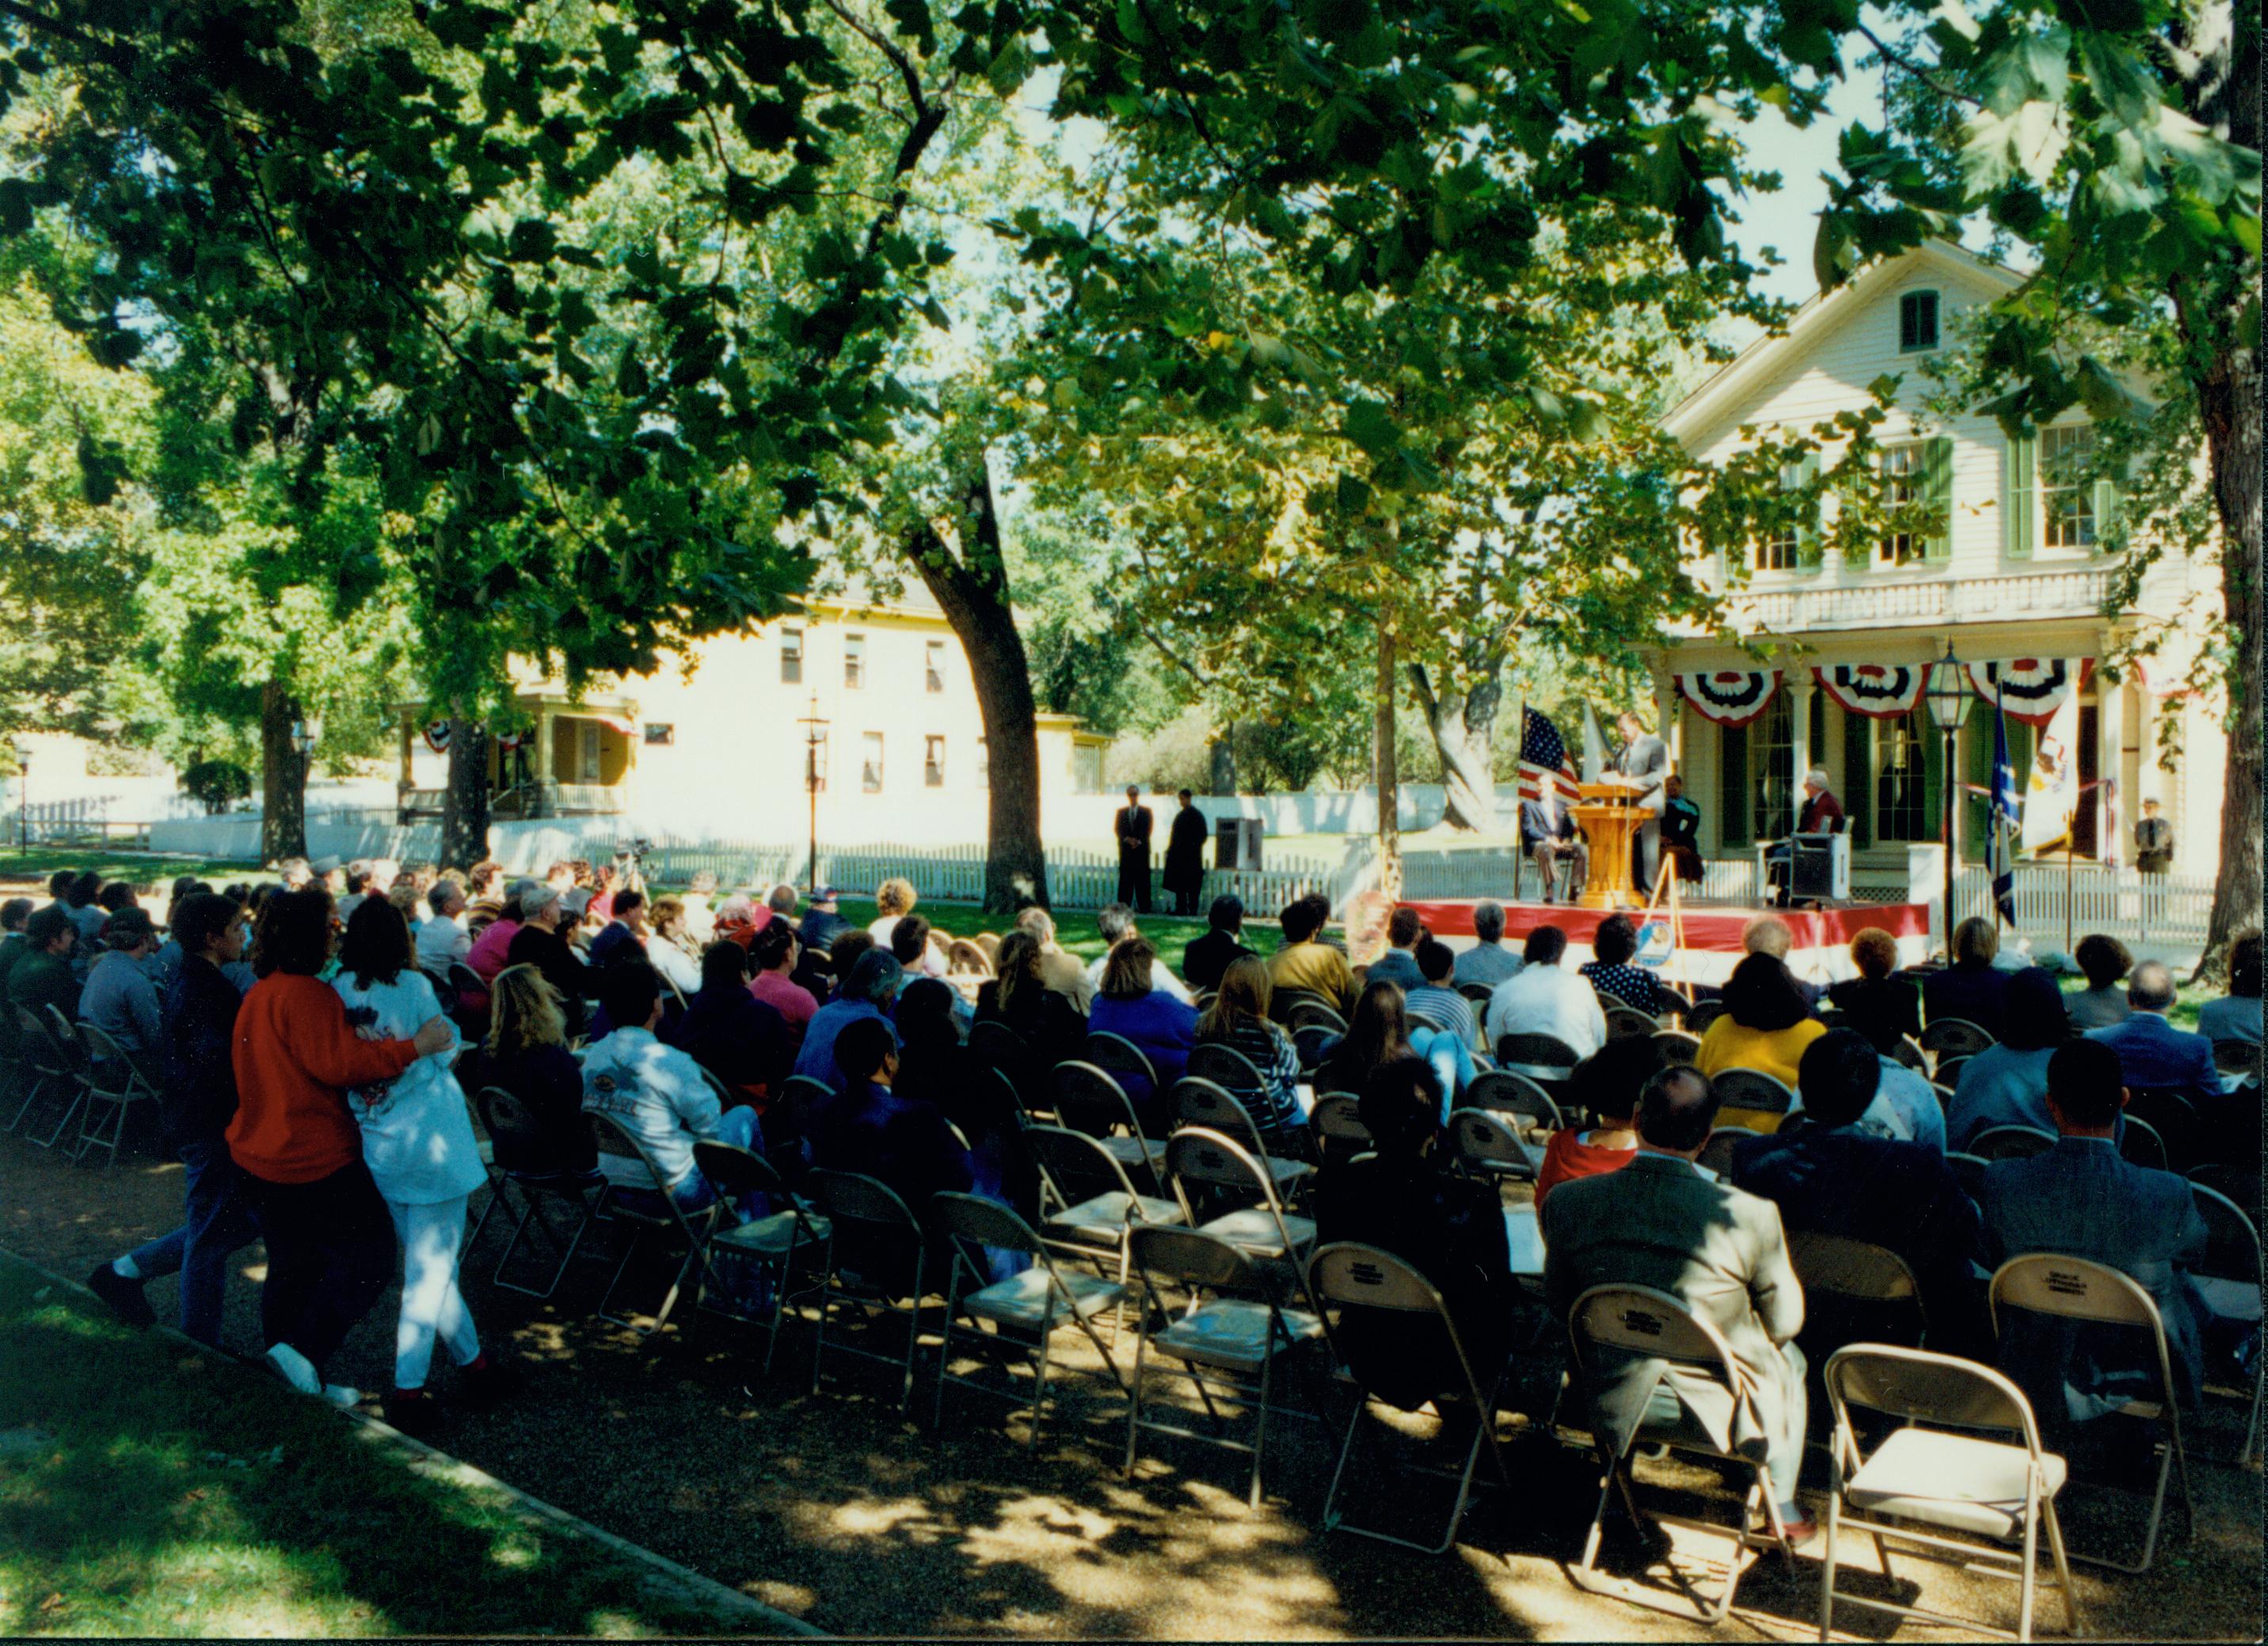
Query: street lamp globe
x,y
1947,693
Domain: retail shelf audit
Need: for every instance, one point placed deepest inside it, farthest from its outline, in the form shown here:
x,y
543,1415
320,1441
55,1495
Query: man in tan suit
x,y
1666,1222
1059,969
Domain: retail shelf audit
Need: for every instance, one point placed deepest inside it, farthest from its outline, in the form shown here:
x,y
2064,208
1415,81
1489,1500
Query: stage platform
x,y
1821,954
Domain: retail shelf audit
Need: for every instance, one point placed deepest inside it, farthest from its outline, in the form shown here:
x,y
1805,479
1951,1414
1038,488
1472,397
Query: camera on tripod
x,y
634,853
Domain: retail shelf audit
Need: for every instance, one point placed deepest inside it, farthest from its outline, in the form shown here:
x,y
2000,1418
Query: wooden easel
x,y
1665,883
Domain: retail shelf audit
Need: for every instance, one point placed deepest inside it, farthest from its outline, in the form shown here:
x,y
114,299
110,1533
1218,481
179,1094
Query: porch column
x,y
408,777
1800,691
1667,722
2110,762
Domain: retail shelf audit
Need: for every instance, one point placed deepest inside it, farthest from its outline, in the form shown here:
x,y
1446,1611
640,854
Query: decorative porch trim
x,y
1730,696
1879,691
2030,689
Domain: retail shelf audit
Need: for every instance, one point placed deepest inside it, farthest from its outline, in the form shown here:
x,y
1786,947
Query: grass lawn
x,y
147,1488
139,868
1075,929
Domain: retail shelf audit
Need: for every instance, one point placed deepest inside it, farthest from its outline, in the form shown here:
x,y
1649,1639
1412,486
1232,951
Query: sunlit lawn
x,y
146,1488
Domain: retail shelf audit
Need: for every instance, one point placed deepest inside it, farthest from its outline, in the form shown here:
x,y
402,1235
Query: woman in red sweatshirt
x,y
330,1239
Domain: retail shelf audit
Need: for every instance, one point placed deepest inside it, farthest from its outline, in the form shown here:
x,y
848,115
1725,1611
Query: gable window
x,y
1917,322
2066,495
854,661
791,656
1902,467
934,666
869,764
933,762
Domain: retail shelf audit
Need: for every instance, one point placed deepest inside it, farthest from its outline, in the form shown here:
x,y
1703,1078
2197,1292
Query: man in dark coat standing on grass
x,y
1184,874
1132,827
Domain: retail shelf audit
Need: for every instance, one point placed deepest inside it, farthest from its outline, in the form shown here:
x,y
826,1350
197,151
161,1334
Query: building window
x,y
1905,789
870,765
660,734
2066,495
1771,773
1902,469
935,666
1917,322
790,657
587,770
1783,550
854,661
933,762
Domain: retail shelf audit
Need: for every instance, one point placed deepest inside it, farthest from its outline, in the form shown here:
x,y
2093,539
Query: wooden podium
x,y
1608,814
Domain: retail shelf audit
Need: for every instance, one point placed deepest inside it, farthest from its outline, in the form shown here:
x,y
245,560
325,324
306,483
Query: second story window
x,y
1782,549
869,764
854,661
934,666
2066,493
791,656
1917,322
933,762
1902,467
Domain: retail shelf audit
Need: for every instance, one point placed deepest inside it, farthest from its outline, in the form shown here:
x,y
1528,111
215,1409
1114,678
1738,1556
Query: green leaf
x,y
2118,82
1370,425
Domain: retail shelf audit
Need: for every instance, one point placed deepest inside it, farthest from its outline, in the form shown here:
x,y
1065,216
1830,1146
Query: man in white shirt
x,y
1115,922
443,941
1545,997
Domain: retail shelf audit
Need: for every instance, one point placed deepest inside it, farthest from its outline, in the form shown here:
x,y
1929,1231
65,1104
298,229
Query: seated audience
x,y
894,900
295,1141
1877,999
87,917
526,1054
1972,988
118,997
2153,1054
2082,1199
2006,1083
489,953
821,922
1399,964
625,929
774,956
1546,998
916,950
1377,1032
655,1092
2236,1016
728,1031
1115,922
1436,996
1019,999
843,954
1304,961
546,916
1615,944
1488,961
1835,1175
935,1068
1765,1025
1238,1018
162,965
1059,969
442,939
2105,960
664,942
14,945
1906,1106
870,989
44,977
1163,1028
1208,953
1769,934
1663,1221
866,1128
1451,1230
484,889
1607,1083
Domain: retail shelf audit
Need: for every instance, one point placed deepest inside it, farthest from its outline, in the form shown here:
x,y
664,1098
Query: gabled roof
x,y
1757,364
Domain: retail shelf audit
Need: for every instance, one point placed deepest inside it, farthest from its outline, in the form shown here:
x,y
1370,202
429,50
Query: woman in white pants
x,y
417,1140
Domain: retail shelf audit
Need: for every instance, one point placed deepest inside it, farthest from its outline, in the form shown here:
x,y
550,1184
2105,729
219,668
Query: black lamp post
x,y
1948,697
22,752
814,779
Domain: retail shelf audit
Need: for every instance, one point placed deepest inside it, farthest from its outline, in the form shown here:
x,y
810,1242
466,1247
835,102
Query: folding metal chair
x,y
1487,1144
1313,1012
1752,1098
1478,993
1627,1022
1970,1170
1427,1019
1909,1052
996,1046
2010,1142
772,1242
1037,1301
1337,1122
648,1208
2051,1283
1228,1069
1201,1102
1652,1325
114,1083
1348,1275
1677,1046
1508,1093
1117,1057
1282,1002
1717,1152
2228,1277
1313,1043
1953,1481
2140,1142
2175,1118
50,1069
1089,1099
511,1127
1218,1167
1701,1015
1954,1037
1096,1205
1237,1331
1947,1072
868,1222
2238,1057
1545,1059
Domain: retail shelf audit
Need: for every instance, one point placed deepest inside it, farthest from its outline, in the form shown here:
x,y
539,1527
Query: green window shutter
x,y
1732,785
2019,497
1807,535
2109,498
1858,779
1937,493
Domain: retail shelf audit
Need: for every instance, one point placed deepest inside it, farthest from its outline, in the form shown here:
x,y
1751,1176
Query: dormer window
x,y
1917,322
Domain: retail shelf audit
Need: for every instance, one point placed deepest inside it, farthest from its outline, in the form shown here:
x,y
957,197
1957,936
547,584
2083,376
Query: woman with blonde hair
x,y
1238,1018
894,900
666,946
526,1054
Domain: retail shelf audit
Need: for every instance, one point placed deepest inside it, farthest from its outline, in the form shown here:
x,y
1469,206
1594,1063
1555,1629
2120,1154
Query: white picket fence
x,y
80,822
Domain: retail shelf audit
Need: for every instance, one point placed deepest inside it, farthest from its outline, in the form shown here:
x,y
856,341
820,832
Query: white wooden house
x,y
2018,579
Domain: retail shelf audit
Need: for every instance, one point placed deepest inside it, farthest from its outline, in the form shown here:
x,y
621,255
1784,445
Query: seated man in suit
x,y
1842,1176
2152,1053
2082,1199
1451,1230
1547,834
1208,955
1822,814
1666,1221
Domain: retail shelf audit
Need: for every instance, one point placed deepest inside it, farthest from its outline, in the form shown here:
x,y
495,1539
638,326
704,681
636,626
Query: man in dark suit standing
x,y
1184,874
1132,827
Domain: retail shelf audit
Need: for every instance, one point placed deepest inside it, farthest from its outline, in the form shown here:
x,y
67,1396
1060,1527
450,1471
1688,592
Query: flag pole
x,y
2070,836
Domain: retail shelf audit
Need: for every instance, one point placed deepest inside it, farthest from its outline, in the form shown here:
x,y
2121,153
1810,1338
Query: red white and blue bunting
x,y
437,736
2030,689
1877,691
1730,696
510,741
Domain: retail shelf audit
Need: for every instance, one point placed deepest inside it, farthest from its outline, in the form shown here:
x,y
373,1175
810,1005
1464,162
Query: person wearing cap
x,y
330,873
821,922
119,999
547,915
2154,839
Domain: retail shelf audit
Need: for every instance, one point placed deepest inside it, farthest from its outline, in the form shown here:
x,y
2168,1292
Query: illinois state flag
x,y
2052,788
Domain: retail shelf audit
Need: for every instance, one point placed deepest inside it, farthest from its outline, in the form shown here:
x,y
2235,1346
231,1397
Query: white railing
x,y
69,822
2121,902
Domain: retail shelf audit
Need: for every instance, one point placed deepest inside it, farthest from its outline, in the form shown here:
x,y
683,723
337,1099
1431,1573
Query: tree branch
x,y
1892,55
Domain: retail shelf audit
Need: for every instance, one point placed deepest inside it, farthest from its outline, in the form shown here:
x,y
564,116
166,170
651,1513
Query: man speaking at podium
x,y
1822,814
1644,761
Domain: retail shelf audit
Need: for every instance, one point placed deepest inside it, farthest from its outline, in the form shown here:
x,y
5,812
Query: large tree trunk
x,y
283,777
1463,724
972,587
1385,773
2224,369
464,801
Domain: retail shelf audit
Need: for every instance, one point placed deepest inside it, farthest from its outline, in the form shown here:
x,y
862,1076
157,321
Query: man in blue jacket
x,y
2152,1053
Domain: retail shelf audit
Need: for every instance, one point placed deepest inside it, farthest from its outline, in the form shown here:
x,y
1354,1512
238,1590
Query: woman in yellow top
x,y
1766,1025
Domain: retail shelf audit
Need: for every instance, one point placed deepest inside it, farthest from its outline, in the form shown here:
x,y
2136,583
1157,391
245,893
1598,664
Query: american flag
x,y
1544,759
2007,807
